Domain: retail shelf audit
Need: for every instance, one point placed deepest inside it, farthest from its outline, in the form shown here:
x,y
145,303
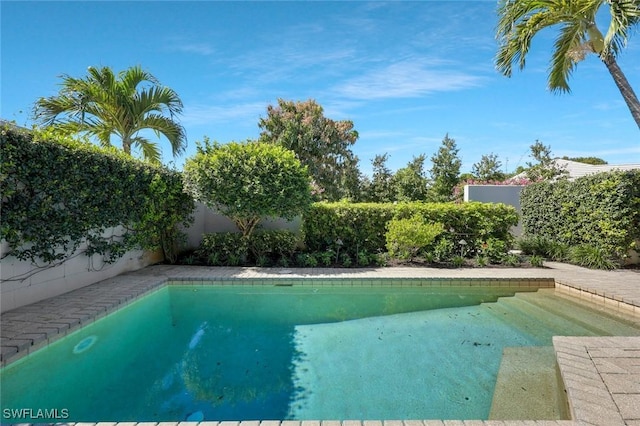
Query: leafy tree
x,y
248,181
445,170
103,105
410,182
488,168
320,143
381,189
586,160
521,20
545,167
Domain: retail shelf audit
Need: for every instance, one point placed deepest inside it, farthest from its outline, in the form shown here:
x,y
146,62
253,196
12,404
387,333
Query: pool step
x,y
561,324
579,313
507,310
527,386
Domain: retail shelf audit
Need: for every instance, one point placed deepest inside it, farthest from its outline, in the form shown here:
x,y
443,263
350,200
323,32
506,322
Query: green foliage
x,y
272,244
444,250
103,105
596,161
488,169
601,210
543,246
494,249
578,35
445,170
223,248
248,181
381,190
406,237
512,260
321,144
362,226
536,261
591,257
410,183
263,248
545,167
58,193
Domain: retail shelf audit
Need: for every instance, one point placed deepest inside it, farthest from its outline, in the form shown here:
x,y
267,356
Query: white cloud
x,y
407,79
206,114
180,44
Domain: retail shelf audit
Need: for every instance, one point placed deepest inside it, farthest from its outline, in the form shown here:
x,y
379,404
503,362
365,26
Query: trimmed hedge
x,y
601,210
58,193
362,226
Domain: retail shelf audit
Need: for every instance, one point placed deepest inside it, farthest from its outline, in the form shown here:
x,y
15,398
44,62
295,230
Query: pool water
x,y
293,352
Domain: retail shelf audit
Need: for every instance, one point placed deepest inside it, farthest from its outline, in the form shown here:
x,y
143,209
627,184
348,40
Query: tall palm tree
x,y
521,20
103,104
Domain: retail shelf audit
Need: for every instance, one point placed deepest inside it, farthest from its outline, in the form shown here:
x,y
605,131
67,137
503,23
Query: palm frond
x,y
564,61
150,150
625,14
167,127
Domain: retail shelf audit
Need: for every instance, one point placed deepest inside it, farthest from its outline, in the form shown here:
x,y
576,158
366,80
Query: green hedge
x,y
58,193
601,211
362,226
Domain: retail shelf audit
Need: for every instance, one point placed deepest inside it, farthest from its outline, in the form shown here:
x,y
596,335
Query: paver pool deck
x,y
601,375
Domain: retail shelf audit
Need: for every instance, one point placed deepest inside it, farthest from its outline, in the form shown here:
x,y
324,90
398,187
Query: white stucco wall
x,y
22,283
207,220
506,194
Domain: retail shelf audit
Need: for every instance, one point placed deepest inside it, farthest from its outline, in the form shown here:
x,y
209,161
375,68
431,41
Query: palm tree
x,y
102,105
521,20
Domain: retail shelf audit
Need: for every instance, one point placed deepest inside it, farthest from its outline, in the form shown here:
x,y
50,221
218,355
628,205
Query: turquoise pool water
x,y
294,352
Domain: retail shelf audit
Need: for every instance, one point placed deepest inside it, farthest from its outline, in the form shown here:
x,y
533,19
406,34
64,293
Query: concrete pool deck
x,y
601,375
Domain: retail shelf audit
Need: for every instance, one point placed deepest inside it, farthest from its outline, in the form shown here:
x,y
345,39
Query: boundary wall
x,y
23,283
506,194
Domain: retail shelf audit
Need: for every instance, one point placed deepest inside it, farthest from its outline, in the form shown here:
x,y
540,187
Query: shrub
x,y
494,250
59,193
536,261
362,226
263,247
591,257
248,181
406,237
273,244
224,248
601,210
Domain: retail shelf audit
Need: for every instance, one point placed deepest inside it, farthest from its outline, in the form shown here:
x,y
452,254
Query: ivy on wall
x,y
59,193
601,210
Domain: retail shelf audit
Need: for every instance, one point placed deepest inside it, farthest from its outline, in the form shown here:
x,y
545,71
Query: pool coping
x,y
584,362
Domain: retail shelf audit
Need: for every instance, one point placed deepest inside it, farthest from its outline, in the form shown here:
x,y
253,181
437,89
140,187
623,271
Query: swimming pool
x,y
293,352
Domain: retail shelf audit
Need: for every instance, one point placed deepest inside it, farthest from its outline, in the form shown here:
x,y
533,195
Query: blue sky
x,y
406,73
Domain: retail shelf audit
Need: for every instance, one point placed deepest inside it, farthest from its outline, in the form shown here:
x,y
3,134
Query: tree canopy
x,y
103,105
321,144
445,170
248,181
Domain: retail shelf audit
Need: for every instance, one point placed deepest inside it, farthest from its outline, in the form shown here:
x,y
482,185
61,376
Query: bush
x,y
494,250
248,181
591,257
58,193
223,248
352,227
263,248
406,237
601,210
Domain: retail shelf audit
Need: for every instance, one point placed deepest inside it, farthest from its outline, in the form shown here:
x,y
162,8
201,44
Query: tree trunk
x,y
625,88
